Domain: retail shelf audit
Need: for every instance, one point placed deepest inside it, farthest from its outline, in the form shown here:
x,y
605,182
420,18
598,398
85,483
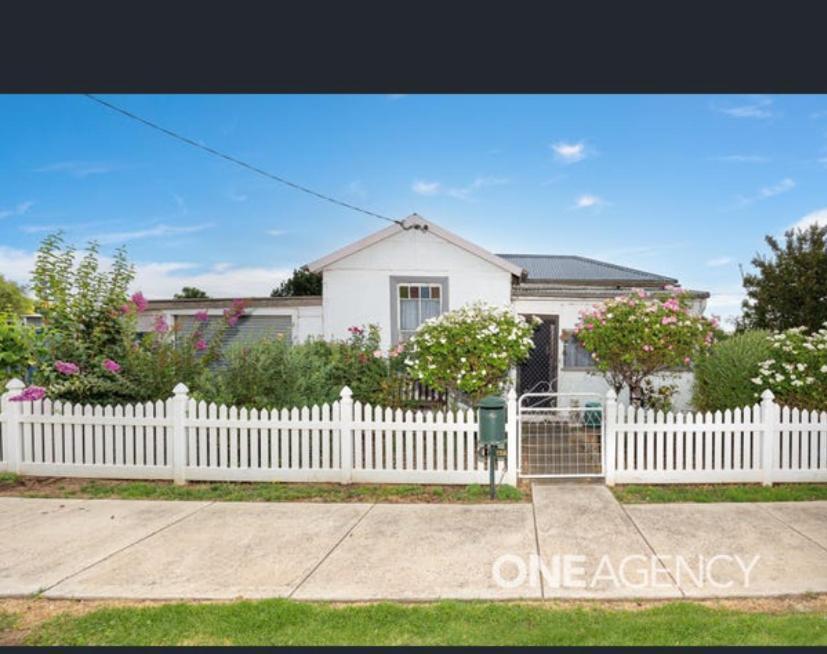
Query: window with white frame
x,y
416,304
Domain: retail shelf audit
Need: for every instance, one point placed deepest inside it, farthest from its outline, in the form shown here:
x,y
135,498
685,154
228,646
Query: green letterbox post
x,y
492,433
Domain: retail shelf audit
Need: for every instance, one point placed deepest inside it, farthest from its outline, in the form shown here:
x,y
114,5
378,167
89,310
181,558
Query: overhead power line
x,y
239,162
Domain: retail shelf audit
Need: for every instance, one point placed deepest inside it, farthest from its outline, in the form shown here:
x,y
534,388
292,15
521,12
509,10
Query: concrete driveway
x,y
572,541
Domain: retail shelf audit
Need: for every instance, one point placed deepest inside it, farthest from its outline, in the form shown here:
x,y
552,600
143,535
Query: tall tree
x,y
789,287
302,282
191,293
13,298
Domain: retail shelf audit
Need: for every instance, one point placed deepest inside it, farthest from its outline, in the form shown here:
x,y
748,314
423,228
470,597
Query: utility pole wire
x,y
239,162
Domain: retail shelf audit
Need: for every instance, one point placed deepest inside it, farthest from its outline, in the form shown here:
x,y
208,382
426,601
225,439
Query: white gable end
x,y
361,285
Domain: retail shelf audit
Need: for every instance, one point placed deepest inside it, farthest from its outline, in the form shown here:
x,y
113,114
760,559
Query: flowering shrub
x,y
796,371
633,337
29,394
468,352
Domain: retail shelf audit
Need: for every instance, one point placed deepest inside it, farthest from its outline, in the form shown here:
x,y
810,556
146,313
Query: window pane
x,y
414,291
408,314
426,293
435,292
403,291
430,309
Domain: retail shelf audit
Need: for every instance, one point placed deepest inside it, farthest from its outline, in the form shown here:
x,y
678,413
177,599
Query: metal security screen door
x,y
538,374
561,435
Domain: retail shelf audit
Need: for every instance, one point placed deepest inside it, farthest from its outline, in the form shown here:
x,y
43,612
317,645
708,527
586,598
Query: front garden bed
x,y
79,488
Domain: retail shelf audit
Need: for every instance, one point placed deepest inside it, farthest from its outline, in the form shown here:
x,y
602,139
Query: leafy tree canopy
x,y
302,282
13,298
789,287
190,293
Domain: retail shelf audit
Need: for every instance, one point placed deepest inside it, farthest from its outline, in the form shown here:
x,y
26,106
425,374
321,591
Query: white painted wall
x,y
581,381
357,287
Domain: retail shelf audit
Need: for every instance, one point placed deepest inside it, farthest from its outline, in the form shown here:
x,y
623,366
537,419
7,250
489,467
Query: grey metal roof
x,y
569,268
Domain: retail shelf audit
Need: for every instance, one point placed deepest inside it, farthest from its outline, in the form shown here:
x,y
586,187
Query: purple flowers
x,y
111,366
356,331
30,394
202,316
200,345
234,312
139,301
160,326
66,368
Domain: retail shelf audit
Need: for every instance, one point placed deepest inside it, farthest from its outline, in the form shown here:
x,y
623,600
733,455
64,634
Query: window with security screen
x,y
575,355
416,304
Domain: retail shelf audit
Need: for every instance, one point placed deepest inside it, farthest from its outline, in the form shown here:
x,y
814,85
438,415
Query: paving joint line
x,y
649,545
330,551
789,526
126,547
537,543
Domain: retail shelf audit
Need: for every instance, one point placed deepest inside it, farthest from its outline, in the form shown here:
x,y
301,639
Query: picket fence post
x,y
346,434
511,463
610,436
12,428
769,431
180,399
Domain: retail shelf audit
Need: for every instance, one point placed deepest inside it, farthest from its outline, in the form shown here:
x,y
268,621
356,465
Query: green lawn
x,y
634,494
252,492
282,622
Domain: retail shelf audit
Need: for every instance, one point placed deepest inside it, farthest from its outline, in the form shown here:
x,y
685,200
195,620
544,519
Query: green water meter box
x,y
593,415
492,420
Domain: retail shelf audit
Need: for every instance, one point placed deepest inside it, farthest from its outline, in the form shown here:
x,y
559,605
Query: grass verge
x,y
283,622
639,494
11,485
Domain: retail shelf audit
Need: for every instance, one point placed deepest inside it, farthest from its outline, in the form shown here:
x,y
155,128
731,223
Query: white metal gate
x,y
560,435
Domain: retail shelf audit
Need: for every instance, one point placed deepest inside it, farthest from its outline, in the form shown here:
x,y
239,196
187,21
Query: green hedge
x,y
723,376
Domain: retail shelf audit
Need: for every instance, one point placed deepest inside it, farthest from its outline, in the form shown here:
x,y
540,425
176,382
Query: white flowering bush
x,y
468,352
797,370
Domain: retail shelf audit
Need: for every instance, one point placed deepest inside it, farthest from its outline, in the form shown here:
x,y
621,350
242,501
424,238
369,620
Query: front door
x,y
538,374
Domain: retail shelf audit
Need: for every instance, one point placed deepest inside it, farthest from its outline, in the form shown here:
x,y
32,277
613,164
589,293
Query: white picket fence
x,y
763,443
182,439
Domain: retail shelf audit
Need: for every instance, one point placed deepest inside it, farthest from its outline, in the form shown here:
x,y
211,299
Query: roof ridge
x,y
599,262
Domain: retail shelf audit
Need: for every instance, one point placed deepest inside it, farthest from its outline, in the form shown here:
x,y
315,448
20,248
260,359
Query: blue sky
x,y
685,186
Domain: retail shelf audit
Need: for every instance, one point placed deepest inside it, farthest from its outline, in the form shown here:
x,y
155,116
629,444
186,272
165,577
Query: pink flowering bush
x,y
633,337
29,394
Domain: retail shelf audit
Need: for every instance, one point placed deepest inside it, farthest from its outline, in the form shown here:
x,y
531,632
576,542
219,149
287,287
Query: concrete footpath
x,y
572,541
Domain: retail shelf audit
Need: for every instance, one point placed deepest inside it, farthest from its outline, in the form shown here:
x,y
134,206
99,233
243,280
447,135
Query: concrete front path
x,y
586,544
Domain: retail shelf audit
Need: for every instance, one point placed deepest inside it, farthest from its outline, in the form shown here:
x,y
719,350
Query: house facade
x,y
404,274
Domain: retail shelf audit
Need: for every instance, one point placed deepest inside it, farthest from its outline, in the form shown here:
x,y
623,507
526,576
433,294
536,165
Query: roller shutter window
x,y
248,328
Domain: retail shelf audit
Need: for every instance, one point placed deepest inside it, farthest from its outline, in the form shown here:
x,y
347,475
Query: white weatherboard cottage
x,y
404,274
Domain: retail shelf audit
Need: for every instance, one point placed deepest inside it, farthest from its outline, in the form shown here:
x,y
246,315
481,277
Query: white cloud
x,y
20,209
569,152
77,168
150,232
759,107
743,158
164,279
276,232
718,262
587,201
425,188
783,186
462,192
818,217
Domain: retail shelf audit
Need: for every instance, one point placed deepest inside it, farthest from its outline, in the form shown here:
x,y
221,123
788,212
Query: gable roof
x,y
414,221
580,270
